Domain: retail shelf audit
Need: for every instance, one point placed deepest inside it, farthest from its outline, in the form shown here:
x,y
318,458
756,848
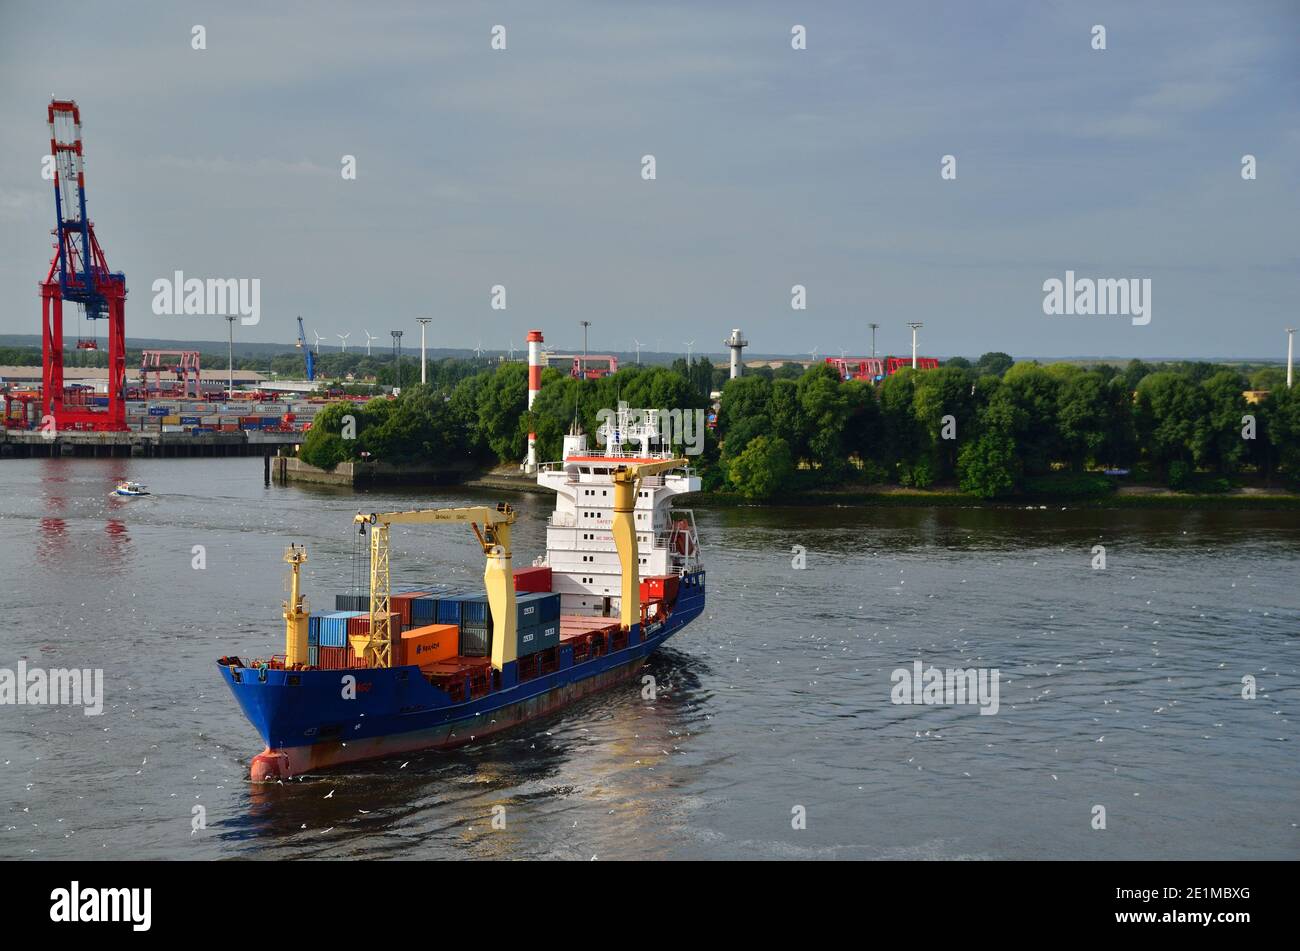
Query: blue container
x,y
475,612
449,607
352,602
424,610
157,411
537,608
313,655
313,628
334,628
190,420
538,637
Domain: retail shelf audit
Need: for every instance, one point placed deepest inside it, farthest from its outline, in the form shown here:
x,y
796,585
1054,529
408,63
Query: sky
x,y
774,167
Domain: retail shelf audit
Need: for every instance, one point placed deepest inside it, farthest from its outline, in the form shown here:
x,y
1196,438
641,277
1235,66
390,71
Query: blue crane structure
x,y
306,350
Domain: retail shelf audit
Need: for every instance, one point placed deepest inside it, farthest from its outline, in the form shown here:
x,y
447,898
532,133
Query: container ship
x,y
399,670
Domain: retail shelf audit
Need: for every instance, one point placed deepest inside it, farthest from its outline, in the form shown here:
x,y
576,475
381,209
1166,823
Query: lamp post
x,y
230,353
397,351
585,325
873,338
424,322
915,325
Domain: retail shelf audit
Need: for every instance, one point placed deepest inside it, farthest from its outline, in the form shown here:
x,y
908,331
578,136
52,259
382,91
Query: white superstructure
x,y
579,546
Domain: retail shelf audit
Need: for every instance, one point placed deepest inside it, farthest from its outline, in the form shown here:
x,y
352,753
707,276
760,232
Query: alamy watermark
x,y
950,687
59,686
675,427
214,297
1104,297
78,904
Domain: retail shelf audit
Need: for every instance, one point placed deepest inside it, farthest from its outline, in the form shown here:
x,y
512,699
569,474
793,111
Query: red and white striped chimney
x,y
534,387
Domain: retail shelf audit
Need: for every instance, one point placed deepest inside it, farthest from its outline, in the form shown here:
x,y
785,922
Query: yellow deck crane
x,y
498,578
627,479
295,611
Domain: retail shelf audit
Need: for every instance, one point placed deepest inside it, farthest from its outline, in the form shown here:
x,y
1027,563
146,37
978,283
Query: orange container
x,y
429,644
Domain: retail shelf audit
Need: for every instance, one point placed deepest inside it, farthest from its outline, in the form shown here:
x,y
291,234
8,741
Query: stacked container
x,y
401,604
428,644
475,626
352,602
334,628
533,579
537,622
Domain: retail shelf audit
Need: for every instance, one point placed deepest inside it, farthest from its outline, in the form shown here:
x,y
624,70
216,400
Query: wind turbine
x,y
689,345
319,338
343,341
812,355
512,352
478,350
639,345
368,339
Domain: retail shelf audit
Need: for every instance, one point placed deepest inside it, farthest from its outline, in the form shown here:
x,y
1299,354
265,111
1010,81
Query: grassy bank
x,y
1136,497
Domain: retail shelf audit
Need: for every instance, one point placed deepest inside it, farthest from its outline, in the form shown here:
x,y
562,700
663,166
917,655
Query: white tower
x,y
534,387
915,325
1290,353
737,343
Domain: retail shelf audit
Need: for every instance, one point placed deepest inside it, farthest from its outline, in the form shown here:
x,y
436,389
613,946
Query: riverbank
x,y
512,479
1131,497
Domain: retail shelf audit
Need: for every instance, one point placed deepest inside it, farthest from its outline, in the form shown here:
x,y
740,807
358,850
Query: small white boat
x,y
130,488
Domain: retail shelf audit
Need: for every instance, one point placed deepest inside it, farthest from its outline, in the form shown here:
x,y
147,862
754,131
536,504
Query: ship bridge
x,y
580,547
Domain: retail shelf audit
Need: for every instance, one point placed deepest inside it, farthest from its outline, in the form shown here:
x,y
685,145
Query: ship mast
x,y
295,611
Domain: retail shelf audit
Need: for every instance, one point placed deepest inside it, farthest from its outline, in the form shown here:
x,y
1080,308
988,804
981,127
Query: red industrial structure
x,y
875,369
581,362
185,372
894,364
79,273
870,369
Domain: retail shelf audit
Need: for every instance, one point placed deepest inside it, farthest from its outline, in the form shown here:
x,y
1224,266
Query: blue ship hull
x,y
314,719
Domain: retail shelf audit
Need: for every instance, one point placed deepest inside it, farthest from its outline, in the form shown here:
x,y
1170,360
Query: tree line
x,y
997,427
992,427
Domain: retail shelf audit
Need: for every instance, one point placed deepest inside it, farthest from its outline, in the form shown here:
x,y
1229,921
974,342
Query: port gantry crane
x,y
498,578
79,273
306,352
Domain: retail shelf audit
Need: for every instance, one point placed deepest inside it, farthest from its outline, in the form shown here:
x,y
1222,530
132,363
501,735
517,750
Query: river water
x,y
1119,688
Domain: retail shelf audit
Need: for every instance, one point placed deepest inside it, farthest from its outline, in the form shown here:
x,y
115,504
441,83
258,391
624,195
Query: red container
x,y
533,580
334,658
400,604
659,588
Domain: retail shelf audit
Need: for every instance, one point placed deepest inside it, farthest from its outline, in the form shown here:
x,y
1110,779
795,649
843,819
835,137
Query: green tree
x,y
1025,407
1135,373
947,391
501,405
823,410
994,363
1083,415
1225,405
763,469
1268,378
324,446
1171,419
906,440
988,467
